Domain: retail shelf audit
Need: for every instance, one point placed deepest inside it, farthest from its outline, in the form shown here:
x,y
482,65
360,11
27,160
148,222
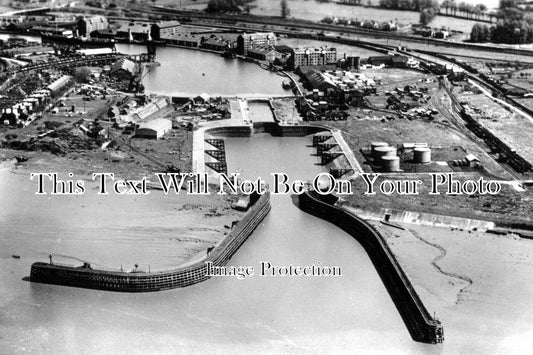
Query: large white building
x,y
313,57
153,129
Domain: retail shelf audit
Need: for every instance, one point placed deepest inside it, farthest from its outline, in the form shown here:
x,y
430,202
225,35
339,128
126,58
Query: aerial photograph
x,y
266,177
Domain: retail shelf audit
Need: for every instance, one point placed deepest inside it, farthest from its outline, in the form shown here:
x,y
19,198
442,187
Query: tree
x,y
485,33
474,34
446,4
82,74
477,11
510,14
480,33
285,11
427,15
504,4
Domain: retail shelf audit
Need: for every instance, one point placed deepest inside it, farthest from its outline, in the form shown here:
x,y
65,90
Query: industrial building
x,y
317,80
163,29
143,112
312,57
56,31
86,25
216,44
153,129
180,39
396,61
135,31
123,68
201,99
60,85
264,53
247,41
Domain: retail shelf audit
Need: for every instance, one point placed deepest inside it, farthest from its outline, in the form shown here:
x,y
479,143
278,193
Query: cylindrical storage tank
x,y
390,163
374,145
380,152
422,155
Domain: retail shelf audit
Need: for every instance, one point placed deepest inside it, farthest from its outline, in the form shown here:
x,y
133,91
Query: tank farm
x,y
421,326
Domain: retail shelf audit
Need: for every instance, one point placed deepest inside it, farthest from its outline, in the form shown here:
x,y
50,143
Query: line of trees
x,y
451,7
432,8
511,32
225,5
414,5
428,8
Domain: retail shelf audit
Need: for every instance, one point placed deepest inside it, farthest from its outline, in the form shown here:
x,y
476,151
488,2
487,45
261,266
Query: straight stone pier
x,y
239,121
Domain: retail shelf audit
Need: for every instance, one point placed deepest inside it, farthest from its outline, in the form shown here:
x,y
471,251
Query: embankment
x,y
421,325
193,273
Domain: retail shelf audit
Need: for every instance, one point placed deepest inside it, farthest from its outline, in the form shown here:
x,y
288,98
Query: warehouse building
x,y
86,25
163,29
60,85
312,57
181,40
135,31
123,68
247,41
153,129
264,53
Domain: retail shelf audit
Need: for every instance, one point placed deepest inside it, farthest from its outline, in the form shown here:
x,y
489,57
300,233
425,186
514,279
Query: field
x,y
507,207
285,110
389,79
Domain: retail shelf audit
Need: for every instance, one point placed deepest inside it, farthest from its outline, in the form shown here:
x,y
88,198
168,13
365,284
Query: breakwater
x,y
87,277
421,325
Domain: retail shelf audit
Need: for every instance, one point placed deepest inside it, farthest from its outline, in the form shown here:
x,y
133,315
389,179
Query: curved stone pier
x,y
87,277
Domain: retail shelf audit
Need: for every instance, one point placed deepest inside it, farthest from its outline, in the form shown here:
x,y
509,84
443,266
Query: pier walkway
x,y
239,118
348,153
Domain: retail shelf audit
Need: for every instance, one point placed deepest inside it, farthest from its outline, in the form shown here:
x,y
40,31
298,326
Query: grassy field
x,y
506,207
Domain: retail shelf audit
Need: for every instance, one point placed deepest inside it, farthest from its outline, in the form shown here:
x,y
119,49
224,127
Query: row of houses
x,y
22,110
427,31
370,24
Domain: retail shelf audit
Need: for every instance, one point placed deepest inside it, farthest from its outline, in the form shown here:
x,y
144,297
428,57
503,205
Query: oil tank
x,y
390,163
374,145
380,152
422,155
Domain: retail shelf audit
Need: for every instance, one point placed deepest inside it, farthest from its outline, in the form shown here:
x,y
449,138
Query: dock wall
x,y
421,325
87,277
285,131
424,219
230,131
